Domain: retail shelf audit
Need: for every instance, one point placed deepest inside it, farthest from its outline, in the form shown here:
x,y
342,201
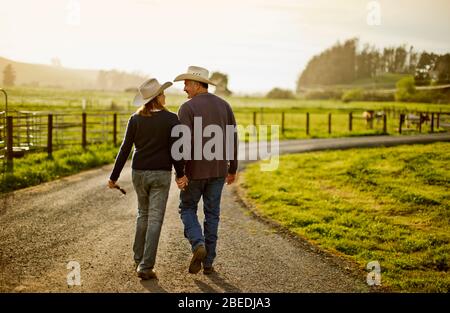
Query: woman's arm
x,y
125,149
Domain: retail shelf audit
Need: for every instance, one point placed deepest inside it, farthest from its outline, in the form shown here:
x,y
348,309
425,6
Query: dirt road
x,y
77,218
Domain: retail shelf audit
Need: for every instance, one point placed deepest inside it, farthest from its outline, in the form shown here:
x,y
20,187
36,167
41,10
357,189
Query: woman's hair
x,y
146,109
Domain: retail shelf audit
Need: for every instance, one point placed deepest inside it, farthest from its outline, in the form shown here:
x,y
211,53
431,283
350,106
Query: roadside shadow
x,y
221,282
205,287
153,286
5,200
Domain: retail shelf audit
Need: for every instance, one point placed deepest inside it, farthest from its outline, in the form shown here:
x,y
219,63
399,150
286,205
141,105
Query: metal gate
x,y
3,135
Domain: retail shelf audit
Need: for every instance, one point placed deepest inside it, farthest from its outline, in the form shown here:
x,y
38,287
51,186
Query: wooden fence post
x,y
50,135
432,122
9,143
282,123
350,121
329,123
420,122
438,118
307,123
384,124
115,129
402,116
83,131
254,118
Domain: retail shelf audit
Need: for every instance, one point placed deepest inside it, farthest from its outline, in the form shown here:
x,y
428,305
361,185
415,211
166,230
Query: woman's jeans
x,y
152,189
211,191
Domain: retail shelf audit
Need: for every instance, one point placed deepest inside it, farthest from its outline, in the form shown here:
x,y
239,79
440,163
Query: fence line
x,y
25,131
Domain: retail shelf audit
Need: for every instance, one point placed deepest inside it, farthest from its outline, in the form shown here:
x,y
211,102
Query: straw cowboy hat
x,y
195,73
149,90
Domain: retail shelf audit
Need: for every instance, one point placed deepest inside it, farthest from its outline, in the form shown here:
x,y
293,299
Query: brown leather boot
x,y
207,270
197,257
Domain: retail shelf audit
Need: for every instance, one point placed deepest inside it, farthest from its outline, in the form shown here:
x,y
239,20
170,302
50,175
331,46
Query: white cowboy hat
x,y
195,73
149,90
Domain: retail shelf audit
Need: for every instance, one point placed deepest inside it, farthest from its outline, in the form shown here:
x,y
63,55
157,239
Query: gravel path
x,y
77,218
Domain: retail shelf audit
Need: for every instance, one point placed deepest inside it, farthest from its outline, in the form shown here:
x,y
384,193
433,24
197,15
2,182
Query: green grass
x,y
268,112
385,80
38,99
37,168
390,205
295,125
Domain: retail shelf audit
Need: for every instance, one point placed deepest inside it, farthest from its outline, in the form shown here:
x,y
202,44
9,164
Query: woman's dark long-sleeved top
x,y
151,136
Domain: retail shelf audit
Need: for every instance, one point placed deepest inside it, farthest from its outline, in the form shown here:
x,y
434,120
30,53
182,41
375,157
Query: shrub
x,y
278,93
378,96
324,94
353,95
405,89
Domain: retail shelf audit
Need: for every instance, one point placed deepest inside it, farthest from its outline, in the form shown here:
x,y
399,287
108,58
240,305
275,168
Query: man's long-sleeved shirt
x,y
213,111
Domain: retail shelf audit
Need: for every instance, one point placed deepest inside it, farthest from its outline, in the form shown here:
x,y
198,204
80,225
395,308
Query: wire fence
x,y
23,132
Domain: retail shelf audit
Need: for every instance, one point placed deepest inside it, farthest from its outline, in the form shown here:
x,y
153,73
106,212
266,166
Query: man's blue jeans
x,y
152,189
211,191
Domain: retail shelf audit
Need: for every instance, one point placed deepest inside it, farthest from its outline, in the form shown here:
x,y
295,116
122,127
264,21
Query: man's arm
x,y
233,163
177,164
185,116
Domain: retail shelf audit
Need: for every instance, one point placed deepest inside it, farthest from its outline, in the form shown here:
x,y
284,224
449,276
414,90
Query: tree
x,y
102,80
426,64
442,69
405,89
413,58
116,80
336,65
278,93
56,62
9,76
389,59
364,63
221,81
400,60
342,64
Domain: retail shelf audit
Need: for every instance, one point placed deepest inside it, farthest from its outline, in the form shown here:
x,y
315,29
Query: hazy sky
x,y
260,44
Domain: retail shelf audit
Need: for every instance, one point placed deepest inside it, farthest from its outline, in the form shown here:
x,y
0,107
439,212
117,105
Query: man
x,y
206,176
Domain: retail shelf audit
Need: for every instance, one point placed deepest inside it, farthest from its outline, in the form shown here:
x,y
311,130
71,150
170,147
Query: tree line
x,y
118,80
344,63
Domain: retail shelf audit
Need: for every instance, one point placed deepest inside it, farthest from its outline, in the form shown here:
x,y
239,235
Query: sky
x,y
260,44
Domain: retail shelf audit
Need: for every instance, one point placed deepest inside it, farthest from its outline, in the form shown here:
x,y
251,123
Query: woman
x,y
149,129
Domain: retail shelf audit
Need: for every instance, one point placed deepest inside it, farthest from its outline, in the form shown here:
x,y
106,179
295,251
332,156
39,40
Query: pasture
x,y
390,205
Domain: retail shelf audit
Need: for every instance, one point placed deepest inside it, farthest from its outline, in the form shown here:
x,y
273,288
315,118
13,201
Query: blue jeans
x,y
211,190
152,189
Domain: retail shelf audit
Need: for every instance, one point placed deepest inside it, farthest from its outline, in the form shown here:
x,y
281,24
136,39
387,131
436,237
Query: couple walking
x,y
150,130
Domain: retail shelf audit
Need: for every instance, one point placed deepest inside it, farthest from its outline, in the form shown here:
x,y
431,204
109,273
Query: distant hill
x,y
40,75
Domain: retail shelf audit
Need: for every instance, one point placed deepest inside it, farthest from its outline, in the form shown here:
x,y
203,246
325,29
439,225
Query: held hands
x,y
182,182
230,179
112,184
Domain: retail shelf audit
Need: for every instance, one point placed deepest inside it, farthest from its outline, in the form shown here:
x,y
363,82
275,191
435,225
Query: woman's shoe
x,y
146,274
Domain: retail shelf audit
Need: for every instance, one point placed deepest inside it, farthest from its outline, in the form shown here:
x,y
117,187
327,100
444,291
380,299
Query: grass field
x,y
41,99
390,205
268,111
37,168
